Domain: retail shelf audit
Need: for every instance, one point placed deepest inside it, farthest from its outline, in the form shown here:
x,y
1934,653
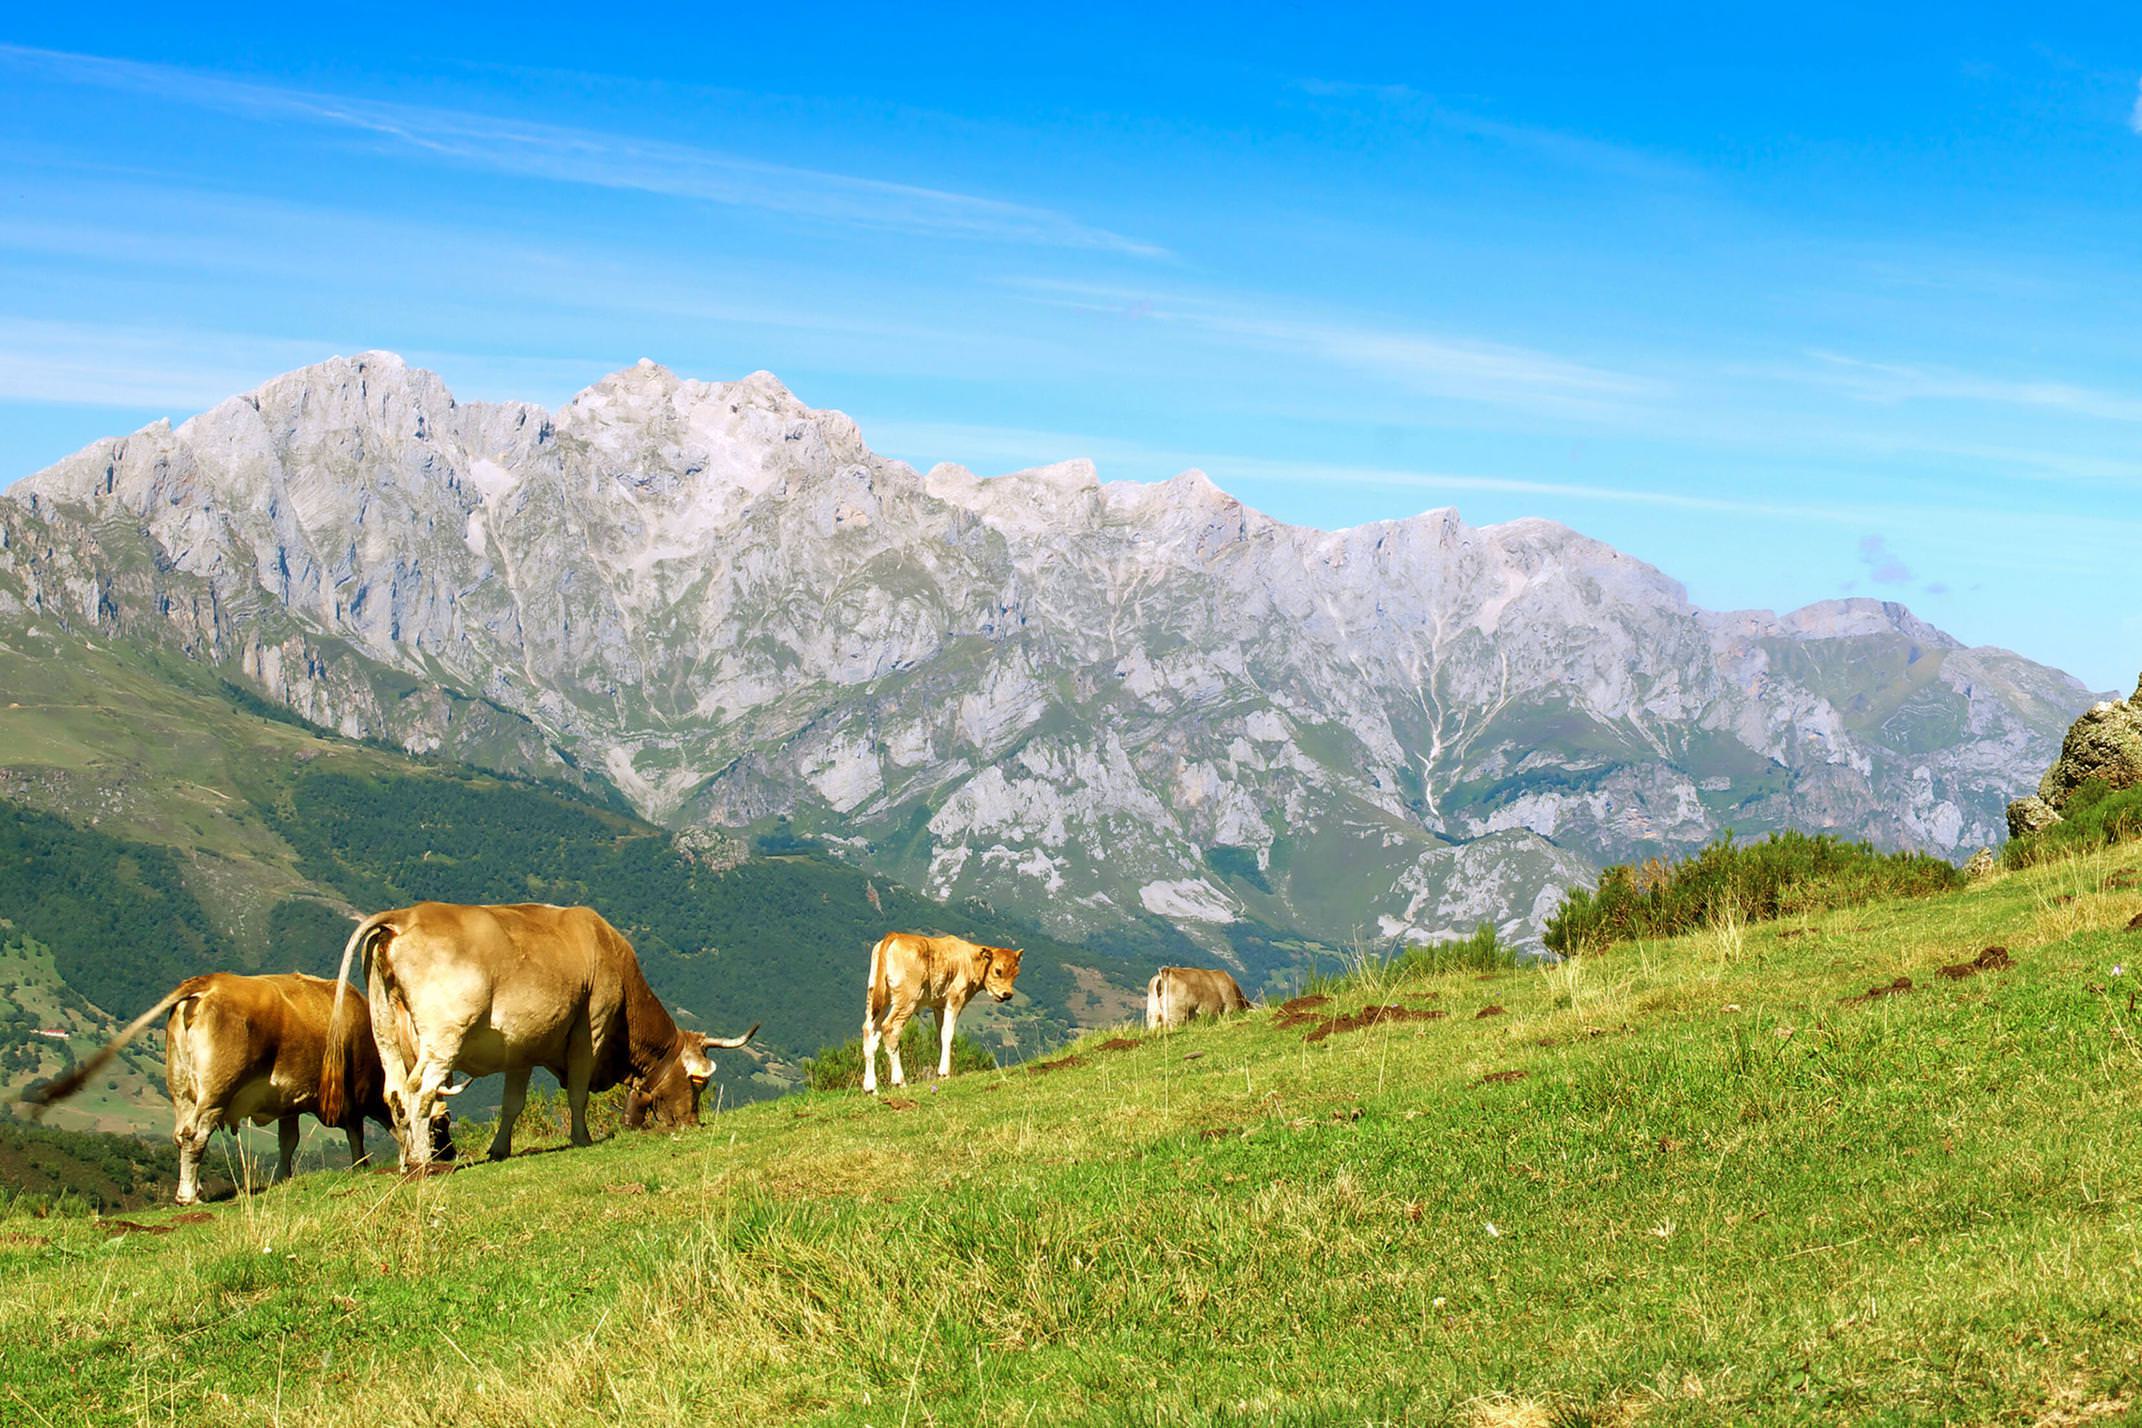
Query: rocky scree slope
x,y
1102,703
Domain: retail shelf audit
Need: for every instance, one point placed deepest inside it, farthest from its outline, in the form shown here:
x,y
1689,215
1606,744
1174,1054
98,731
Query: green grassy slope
x,y
1686,1181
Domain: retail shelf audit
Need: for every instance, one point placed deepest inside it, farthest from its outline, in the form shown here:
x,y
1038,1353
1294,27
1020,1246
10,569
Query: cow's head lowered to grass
x,y
669,1094
508,989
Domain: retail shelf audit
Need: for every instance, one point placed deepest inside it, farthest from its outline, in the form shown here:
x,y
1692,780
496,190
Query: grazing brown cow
x,y
248,1048
908,970
1176,994
507,989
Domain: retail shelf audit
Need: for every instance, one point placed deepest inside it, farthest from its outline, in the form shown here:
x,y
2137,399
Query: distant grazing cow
x,y
907,971
1176,994
249,1048
507,989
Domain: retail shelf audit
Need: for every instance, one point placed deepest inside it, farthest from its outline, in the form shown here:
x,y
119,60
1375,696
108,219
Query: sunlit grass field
x,y
1693,1181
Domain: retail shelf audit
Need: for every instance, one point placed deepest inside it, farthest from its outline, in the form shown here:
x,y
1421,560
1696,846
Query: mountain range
x,y
1112,708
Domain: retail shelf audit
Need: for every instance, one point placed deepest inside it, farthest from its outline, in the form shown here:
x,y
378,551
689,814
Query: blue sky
x,y
1791,304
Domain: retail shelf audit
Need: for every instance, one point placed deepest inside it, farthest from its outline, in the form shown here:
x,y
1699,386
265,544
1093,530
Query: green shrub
x,y
840,1067
1479,951
1483,951
1784,874
2096,817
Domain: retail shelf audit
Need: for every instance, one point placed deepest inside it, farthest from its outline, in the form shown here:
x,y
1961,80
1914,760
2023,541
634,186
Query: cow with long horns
x,y
509,988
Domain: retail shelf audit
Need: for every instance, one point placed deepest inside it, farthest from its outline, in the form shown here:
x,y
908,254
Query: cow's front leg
x,y
509,1111
356,1138
947,1023
579,1075
286,1139
422,1101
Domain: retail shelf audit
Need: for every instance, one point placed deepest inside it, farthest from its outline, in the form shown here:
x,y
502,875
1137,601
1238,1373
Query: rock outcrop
x,y
2103,746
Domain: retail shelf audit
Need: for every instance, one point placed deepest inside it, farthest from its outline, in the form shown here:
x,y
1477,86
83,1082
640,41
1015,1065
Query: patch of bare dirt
x,y
1370,1016
899,1103
1487,1011
1061,1063
116,1228
2134,924
1297,1010
1503,1078
1896,988
1118,1043
1993,959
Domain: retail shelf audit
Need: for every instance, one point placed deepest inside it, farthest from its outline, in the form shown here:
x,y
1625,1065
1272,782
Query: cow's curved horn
x,y
734,1040
457,1090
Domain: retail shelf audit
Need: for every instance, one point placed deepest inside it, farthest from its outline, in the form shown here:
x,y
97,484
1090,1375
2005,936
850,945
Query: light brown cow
x,y
1176,994
908,970
248,1048
507,989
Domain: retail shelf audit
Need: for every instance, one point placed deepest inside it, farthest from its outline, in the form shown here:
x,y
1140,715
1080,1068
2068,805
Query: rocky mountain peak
x,y
1838,619
1102,703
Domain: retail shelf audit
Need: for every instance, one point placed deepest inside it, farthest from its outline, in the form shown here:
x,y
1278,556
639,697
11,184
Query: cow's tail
x,y
335,1060
878,996
74,1080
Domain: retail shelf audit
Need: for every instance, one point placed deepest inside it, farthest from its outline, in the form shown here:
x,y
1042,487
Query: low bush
x,y
1481,950
2096,817
840,1067
1728,883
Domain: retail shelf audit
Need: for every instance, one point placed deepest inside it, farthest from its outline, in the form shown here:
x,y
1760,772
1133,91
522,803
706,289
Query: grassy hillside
x,y
1708,1180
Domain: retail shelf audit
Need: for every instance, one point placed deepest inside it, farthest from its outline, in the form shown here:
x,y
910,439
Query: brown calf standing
x,y
908,970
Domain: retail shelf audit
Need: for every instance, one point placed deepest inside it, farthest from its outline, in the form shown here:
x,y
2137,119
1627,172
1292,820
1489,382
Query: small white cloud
x,y
1883,567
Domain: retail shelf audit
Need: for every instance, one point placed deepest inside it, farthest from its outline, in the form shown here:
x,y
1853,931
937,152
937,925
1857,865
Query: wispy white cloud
x,y
96,364
605,160
1557,146
2134,115
1431,364
1893,383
